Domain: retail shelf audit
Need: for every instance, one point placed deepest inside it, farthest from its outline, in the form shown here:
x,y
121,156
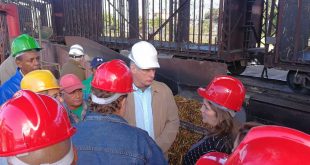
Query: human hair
x,y
244,129
226,126
131,63
19,58
105,108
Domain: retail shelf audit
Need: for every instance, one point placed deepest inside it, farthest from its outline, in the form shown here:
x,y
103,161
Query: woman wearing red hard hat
x,y
222,98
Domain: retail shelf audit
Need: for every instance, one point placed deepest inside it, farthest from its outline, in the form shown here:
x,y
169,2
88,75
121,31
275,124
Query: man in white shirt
x,y
151,106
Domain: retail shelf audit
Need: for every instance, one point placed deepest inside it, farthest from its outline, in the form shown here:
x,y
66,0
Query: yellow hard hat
x,y
39,80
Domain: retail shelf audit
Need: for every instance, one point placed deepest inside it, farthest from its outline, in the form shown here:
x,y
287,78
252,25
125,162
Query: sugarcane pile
x,y
189,111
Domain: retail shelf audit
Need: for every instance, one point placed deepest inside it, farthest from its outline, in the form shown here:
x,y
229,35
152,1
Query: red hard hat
x,y
113,76
226,91
30,121
212,158
272,145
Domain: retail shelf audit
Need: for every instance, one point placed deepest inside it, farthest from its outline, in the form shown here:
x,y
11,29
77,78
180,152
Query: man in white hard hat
x,y
74,64
151,106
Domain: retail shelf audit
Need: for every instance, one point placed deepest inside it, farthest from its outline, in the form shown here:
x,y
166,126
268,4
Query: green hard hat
x,y
24,43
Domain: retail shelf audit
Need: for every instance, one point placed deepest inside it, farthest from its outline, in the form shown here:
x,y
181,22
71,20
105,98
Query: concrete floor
x,y
256,70
253,70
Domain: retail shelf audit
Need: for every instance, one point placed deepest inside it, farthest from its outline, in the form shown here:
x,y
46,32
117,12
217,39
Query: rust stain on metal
x,y
190,72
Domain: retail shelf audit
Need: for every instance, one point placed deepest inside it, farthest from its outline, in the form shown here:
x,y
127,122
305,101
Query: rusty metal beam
x,y
134,19
143,19
58,14
281,7
4,42
190,72
171,21
12,18
183,22
297,30
219,29
184,2
210,27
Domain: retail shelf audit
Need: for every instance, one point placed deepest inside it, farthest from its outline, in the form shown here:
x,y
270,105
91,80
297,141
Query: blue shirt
x,y
3,161
8,89
109,139
143,109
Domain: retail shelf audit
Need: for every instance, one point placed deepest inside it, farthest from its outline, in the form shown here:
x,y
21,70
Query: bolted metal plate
x,y
190,72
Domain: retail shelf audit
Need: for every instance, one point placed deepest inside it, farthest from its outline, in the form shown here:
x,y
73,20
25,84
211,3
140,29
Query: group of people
x,y
105,121
118,115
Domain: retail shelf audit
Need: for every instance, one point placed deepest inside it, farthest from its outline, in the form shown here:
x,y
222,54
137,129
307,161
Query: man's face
x,y
142,78
28,61
93,70
73,99
54,93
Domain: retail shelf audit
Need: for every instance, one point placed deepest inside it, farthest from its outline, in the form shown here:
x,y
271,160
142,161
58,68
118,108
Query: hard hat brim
x,y
72,88
202,93
155,65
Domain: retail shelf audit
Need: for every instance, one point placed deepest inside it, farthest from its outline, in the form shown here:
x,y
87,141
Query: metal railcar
x,y
270,32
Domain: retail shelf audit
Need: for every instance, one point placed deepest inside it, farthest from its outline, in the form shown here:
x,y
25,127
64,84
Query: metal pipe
x,y
12,18
143,20
297,30
210,27
279,34
199,23
137,31
194,22
219,31
171,21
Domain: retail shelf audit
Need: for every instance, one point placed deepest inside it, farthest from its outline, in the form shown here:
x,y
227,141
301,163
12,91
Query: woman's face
x,y
208,114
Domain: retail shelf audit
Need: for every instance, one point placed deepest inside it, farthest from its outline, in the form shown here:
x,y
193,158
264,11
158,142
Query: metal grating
x,y
4,38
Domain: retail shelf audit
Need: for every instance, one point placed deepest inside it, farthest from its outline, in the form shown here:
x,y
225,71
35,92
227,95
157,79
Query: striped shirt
x,y
207,144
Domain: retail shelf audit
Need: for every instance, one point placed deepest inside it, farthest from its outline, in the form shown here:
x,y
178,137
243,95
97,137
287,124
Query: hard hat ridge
x,y
144,55
76,50
31,121
226,91
24,43
39,80
113,76
272,145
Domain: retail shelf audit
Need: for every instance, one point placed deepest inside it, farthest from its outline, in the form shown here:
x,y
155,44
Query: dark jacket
x,y
109,139
11,86
206,145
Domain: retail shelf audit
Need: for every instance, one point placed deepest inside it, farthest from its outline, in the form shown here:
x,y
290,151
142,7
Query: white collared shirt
x,y
143,109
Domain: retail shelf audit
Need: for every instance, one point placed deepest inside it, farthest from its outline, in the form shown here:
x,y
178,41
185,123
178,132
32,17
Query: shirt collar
x,y
20,71
84,105
101,116
135,88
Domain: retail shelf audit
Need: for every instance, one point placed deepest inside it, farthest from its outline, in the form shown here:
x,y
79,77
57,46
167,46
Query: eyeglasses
x,y
56,95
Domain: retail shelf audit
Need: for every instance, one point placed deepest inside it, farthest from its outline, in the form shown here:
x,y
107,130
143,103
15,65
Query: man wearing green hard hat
x,y
25,50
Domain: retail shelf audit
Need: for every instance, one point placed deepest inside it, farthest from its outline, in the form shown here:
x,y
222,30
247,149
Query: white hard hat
x,y
144,55
76,50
